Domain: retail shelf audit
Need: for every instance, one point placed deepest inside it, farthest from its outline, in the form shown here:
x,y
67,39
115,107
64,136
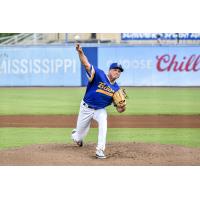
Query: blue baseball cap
x,y
116,66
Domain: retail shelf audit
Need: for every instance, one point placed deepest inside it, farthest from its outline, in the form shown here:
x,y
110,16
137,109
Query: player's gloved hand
x,y
119,98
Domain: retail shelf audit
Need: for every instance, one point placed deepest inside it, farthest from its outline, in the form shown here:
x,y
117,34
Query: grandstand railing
x,y
22,38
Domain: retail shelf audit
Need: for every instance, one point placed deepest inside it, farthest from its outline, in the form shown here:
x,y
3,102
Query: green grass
x,y
18,137
151,101
40,101
66,101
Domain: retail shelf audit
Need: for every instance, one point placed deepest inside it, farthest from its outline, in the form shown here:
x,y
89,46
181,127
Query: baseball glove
x,y
119,98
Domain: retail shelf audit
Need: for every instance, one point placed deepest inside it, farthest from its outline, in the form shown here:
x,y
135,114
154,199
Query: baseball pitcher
x,y
102,91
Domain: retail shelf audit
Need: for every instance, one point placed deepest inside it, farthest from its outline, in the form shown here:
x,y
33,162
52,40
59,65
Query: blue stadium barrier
x,y
39,66
154,65
60,66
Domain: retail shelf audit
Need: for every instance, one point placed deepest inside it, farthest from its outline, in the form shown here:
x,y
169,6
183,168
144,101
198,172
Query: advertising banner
x,y
154,65
163,36
39,66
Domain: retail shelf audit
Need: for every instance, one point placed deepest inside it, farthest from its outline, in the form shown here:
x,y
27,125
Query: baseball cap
x,y
116,66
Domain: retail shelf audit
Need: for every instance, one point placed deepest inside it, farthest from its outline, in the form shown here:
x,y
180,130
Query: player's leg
x,y
83,123
101,117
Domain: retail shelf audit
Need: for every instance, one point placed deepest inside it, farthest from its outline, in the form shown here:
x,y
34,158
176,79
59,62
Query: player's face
x,y
114,73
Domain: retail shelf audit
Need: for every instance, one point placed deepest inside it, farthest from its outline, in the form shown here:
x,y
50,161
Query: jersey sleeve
x,y
90,74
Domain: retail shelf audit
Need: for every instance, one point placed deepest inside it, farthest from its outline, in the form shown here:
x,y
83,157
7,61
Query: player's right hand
x,y
78,48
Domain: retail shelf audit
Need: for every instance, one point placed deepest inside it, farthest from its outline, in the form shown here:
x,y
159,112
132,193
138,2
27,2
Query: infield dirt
x,y
118,154
142,154
59,121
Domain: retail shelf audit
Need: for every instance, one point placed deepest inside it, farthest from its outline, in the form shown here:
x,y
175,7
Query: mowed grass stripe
x,y
19,137
66,101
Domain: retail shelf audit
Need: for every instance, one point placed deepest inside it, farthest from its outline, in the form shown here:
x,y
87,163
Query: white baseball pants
x,y
83,124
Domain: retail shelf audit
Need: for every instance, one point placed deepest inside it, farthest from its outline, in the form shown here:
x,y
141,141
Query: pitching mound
x,y
117,154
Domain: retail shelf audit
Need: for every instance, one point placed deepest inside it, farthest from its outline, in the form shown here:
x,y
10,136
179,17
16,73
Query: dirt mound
x,y
117,154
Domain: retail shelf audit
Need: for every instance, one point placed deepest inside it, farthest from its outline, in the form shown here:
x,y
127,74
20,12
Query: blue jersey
x,y
99,90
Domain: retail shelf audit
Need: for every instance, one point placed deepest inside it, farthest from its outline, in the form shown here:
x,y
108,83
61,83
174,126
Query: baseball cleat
x,y
79,143
100,154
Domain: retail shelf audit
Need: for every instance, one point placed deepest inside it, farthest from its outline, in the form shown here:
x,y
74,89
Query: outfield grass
x,y
65,101
19,137
40,101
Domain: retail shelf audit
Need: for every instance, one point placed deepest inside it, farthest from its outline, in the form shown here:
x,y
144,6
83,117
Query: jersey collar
x,y
110,81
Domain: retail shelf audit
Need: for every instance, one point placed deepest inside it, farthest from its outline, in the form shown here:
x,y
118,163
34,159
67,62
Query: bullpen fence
x,y
60,66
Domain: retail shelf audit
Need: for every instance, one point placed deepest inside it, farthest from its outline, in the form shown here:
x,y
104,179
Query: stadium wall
x,y
60,66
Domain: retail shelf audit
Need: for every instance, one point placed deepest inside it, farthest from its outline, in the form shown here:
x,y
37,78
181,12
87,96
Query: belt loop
x,y
85,104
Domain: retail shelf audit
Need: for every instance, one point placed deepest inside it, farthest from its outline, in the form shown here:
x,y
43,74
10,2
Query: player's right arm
x,y
83,58
121,109
89,68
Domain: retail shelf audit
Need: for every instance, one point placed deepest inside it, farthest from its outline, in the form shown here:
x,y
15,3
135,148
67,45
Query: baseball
x,y
76,37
